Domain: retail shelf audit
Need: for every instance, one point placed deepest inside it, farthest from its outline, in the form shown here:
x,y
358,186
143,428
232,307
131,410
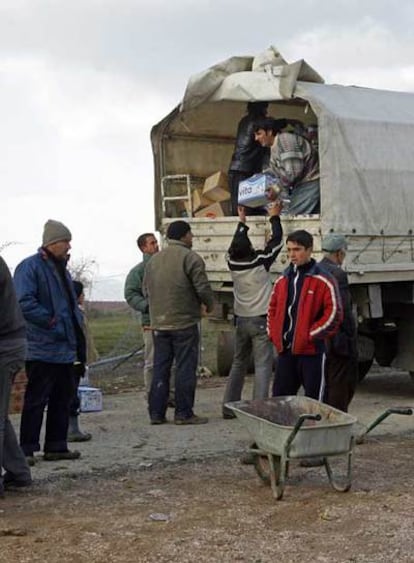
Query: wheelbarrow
x,y
297,428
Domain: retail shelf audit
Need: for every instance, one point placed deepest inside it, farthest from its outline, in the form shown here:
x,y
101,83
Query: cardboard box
x,y
216,187
258,190
199,200
214,210
90,399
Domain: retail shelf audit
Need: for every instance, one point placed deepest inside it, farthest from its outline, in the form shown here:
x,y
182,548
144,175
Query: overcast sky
x,y
83,81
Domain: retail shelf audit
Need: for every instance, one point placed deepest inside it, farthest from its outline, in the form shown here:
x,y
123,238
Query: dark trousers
x,y
341,380
181,345
11,456
78,373
52,385
293,371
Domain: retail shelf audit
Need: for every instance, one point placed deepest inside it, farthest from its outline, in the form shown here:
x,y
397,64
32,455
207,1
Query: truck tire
x,y
386,345
366,351
225,351
363,368
225,348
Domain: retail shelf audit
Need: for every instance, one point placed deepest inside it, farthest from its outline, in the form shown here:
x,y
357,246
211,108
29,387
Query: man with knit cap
x,y
177,288
341,357
55,341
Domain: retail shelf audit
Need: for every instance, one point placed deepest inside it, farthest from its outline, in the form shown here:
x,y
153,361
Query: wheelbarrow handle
x,y
401,410
298,425
385,414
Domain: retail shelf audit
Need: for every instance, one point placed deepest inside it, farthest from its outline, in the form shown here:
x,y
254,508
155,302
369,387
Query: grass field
x,y
116,333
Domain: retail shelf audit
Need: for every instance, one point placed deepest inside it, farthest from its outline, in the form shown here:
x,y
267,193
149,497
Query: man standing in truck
x,y
304,310
252,287
342,358
248,156
294,160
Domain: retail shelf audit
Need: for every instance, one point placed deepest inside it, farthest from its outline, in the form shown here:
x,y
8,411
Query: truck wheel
x,y
363,368
225,352
366,350
225,348
386,344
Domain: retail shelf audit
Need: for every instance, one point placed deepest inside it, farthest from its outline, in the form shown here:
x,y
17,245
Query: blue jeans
x,y
12,458
181,346
51,385
251,336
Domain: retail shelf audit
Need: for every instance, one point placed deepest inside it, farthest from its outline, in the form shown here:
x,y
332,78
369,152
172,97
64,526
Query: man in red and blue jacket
x,y
304,310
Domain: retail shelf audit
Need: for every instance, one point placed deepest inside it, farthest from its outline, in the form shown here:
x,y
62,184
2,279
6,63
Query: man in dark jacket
x,y
12,354
341,358
252,288
304,310
177,287
55,341
248,155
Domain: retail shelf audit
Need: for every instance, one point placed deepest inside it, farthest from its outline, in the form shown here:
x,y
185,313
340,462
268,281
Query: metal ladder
x,y
186,197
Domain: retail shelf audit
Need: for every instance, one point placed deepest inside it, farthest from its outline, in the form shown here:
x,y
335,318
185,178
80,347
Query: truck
x,y
366,156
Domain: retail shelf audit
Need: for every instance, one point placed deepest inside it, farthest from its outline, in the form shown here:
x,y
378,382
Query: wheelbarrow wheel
x,y
262,467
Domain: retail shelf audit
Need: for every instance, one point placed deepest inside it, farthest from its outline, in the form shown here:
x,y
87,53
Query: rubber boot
x,y
74,432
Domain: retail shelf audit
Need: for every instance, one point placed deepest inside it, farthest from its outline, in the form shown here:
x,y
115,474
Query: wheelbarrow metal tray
x,y
270,422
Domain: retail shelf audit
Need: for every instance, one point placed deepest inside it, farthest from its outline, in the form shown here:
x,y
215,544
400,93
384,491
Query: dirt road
x,y
150,493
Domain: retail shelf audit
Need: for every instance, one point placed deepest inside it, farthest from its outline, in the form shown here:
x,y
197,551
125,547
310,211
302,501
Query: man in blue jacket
x,y
55,341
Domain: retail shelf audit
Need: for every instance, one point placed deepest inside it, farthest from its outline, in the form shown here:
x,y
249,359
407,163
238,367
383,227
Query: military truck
x,y
366,153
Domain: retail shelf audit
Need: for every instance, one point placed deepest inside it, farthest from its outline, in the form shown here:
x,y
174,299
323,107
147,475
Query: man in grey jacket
x,y
12,355
177,288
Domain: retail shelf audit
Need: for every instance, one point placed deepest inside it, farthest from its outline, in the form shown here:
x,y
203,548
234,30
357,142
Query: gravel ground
x,y
168,493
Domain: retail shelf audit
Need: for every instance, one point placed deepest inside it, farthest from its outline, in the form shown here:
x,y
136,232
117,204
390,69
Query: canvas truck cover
x,y
366,139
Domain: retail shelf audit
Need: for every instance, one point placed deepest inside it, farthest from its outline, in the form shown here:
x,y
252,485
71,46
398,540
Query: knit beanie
x,y
55,231
177,230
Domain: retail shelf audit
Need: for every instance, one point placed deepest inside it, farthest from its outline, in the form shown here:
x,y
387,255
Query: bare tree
x,y
83,270
4,245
